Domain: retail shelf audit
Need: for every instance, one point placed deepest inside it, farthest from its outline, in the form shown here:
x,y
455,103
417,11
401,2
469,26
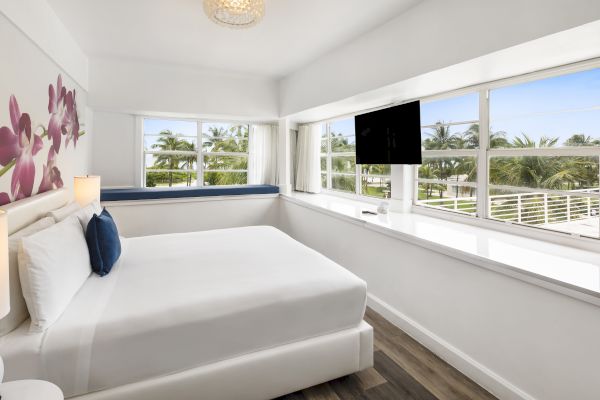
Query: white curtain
x,y
293,157
308,148
262,155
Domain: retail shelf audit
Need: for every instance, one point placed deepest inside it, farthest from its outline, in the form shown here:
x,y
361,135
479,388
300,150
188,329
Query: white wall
x,y
432,35
135,87
120,90
114,153
26,72
142,218
37,21
83,155
437,34
517,340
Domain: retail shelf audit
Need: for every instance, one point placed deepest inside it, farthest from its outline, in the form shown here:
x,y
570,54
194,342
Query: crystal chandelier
x,y
235,13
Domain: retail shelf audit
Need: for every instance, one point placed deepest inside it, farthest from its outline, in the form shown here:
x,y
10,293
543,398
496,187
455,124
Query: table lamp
x,y
87,189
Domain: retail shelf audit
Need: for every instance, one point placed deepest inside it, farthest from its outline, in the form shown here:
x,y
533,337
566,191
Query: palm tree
x,y
576,172
209,140
339,143
426,171
440,138
581,140
524,142
496,139
189,160
234,139
231,140
580,172
168,142
526,171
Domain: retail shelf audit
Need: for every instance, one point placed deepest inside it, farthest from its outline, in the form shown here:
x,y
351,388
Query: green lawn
x,y
376,191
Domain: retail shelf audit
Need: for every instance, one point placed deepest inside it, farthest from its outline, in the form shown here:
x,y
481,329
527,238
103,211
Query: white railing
x,y
527,208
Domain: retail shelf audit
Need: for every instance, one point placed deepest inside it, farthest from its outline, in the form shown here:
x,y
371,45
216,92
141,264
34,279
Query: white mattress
x,y
178,301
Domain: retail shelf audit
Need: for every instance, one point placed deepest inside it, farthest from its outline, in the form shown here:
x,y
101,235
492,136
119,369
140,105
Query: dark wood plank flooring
x,y
403,369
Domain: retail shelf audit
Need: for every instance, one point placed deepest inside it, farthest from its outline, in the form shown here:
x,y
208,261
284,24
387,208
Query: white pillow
x,y
86,213
61,213
53,265
18,309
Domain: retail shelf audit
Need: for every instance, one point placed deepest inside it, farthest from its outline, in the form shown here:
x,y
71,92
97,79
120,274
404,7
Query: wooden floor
x,y
403,370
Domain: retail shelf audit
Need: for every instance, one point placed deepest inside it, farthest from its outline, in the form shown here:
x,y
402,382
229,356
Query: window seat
x,y
177,193
567,270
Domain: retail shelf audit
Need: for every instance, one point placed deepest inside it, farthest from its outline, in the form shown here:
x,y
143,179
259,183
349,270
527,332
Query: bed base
x,y
261,375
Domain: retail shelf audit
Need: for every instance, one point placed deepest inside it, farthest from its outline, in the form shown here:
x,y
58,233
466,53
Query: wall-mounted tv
x,y
389,136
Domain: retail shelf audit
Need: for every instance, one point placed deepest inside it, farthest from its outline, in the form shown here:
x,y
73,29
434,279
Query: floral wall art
x,y
31,150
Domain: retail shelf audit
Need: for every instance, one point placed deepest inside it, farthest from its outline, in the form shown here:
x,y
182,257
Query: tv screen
x,y
389,136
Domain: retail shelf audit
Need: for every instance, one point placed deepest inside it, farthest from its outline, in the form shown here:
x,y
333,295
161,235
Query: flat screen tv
x,y
389,136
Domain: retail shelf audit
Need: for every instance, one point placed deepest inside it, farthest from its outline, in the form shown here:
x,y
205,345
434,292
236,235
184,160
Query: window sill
x,y
133,194
567,270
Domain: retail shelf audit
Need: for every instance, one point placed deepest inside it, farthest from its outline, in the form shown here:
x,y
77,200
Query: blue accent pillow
x,y
103,242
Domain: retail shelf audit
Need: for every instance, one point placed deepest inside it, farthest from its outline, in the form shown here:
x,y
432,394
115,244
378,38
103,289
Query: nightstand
x,y
30,390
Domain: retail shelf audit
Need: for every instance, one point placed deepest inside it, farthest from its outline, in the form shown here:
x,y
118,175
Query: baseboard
x,y
479,373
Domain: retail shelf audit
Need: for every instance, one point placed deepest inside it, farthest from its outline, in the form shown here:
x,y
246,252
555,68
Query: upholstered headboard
x,y
24,212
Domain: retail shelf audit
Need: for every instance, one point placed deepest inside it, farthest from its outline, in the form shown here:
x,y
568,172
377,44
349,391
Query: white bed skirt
x,y
261,375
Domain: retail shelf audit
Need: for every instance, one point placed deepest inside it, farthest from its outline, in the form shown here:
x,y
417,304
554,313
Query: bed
x,y
243,313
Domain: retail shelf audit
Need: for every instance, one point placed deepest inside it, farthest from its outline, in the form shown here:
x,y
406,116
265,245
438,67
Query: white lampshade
x,y
87,189
4,286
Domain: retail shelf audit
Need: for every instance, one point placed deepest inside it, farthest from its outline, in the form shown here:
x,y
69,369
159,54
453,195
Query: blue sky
x,y
345,127
554,107
185,128
155,126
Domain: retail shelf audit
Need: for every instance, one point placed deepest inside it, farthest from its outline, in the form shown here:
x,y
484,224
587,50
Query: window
x,y
176,153
537,163
447,179
225,154
170,153
544,153
339,171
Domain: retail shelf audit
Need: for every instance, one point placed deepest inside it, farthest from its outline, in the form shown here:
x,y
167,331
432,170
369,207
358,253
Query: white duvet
x,y
178,301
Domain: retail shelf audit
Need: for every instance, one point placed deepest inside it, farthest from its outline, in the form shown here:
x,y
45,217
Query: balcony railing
x,y
527,208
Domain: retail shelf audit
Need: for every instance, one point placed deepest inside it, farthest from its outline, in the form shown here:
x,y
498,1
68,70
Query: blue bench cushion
x,y
175,193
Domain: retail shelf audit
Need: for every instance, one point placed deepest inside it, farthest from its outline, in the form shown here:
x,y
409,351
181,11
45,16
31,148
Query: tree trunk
x,y
457,187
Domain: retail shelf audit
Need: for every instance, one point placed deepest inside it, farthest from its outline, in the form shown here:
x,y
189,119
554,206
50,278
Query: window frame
x,y
329,155
484,155
200,153
481,220
475,153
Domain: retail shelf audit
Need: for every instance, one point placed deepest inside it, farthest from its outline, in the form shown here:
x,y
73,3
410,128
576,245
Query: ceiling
x,y
292,34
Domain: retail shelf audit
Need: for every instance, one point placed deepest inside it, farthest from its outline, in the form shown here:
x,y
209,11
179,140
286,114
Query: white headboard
x,y
24,212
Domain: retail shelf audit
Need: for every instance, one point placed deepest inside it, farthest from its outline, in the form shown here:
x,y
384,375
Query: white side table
x,y
30,390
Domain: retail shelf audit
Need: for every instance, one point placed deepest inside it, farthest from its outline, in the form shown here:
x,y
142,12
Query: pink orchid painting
x,y
24,173
19,144
56,109
51,177
22,145
70,122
